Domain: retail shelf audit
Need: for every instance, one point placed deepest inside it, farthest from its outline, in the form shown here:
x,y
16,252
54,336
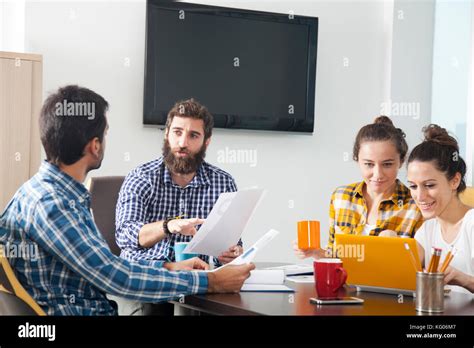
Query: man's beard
x,y
98,163
183,165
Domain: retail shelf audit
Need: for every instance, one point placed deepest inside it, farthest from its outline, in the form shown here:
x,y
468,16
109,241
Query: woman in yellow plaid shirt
x,y
380,205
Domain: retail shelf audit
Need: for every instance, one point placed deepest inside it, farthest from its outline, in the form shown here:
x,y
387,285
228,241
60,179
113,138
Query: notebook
x,y
379,264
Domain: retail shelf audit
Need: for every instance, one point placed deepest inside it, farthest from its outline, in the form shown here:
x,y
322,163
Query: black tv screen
x,y
253,70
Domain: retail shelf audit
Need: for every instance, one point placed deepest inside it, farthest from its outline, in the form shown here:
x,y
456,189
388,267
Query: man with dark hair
x,y
74,267
64,132
156,196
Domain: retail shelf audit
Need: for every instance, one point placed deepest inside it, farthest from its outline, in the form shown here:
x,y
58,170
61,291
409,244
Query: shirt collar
x,y
72,187
399,194
359,189
200,179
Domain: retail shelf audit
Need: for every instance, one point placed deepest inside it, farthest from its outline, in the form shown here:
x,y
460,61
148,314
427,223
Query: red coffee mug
x,y
329,276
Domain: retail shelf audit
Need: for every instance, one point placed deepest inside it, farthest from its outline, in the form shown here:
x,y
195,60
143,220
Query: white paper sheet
x,y
249,254
301,279
266,288
225,223
295,269
260,276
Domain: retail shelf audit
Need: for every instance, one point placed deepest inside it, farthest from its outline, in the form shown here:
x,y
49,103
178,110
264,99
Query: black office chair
x,y
14,299
13,305
104,194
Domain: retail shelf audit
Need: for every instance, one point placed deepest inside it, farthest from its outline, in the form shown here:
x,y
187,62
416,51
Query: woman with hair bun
x,y
436,178
380,205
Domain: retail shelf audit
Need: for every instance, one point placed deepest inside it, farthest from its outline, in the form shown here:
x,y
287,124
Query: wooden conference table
x,y
297,303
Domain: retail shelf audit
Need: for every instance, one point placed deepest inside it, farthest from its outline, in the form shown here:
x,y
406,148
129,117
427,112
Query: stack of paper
x,y
266,281
301,279
297,269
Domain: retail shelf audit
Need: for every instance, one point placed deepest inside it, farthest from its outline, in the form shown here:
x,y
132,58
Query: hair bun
x,y
383,120
402,133
439,135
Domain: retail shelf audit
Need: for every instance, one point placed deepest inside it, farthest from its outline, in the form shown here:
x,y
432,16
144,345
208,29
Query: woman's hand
x,y
388,233
305,253
453,276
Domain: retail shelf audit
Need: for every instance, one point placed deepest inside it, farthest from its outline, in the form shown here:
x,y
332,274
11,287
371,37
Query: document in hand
x,y
225,223
248,256
250,253
260,280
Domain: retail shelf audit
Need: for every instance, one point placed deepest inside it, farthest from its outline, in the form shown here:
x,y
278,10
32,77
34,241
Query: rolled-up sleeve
x,y
83,251
130,213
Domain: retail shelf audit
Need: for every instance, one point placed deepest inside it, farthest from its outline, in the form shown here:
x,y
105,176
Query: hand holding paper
x,y
249,255
225,223
230,254
229,279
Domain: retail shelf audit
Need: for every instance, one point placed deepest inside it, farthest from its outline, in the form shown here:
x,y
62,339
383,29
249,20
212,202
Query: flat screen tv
x,y
253,70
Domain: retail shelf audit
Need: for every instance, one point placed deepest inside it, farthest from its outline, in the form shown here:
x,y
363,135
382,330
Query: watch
x,y
165,227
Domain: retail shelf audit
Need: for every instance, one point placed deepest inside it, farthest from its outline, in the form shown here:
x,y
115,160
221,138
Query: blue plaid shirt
x,y
74,267
148,194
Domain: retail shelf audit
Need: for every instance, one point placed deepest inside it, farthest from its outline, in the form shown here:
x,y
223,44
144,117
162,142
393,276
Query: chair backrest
x,y
467,197
14,299
4,281
104,194
13,305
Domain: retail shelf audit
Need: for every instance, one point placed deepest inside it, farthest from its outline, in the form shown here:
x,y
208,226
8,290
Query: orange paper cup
x,y
308,235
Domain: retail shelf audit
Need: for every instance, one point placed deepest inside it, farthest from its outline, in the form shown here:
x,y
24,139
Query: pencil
x,y
434,262
448,259
412,257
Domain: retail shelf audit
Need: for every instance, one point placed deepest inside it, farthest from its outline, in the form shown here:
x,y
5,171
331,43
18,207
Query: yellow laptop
x,y
379,264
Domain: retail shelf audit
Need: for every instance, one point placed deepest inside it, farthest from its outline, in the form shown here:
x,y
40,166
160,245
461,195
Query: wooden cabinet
x,y
21,77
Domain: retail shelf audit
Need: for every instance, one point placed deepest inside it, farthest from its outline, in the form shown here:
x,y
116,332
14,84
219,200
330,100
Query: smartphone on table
x,y
336,300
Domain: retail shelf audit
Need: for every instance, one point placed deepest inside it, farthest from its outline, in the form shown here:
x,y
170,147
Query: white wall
x,y
470,111
452,64
412,55
12,25
2,25
101,46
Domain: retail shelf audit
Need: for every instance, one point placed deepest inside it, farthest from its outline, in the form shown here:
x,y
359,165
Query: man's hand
x,y
305,253
230,254
229,278
187,265
186,227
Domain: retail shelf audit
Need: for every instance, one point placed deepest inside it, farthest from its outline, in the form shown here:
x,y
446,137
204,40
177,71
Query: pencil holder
x,y
429,292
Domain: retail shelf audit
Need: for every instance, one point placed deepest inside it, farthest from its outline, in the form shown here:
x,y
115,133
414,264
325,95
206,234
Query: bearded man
x,y
163,201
